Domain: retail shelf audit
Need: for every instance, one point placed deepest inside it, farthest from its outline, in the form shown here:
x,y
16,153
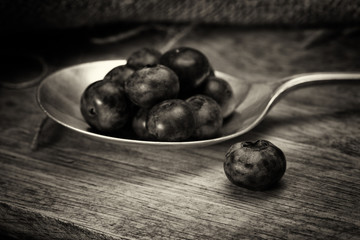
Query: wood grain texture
x,y
73,187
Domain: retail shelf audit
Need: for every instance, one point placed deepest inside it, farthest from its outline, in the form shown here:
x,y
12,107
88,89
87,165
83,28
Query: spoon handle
x,y
307,79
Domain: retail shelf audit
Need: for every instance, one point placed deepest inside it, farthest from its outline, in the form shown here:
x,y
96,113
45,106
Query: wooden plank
x,y
74,187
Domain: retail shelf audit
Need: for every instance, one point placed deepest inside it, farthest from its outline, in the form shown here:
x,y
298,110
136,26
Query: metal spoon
x,y
254,101
59,97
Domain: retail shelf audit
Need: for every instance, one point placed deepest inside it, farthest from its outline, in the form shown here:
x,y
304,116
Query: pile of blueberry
x,y
174,96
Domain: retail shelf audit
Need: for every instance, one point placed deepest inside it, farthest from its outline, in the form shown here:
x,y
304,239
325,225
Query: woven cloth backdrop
x,y
39,14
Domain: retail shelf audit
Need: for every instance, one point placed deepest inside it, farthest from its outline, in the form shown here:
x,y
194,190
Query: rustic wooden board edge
x,y
36,225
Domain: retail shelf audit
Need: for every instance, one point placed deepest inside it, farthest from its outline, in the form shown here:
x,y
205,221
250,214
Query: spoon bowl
x,y
59,95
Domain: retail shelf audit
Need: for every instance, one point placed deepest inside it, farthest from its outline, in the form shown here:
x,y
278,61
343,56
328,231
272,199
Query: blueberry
x,y
139,124
171,120
144,57
256,165
221,91
105,107
150,85
119,74
191,66
208,116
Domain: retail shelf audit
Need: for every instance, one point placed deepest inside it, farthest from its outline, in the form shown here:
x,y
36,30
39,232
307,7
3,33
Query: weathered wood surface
x,y
73,187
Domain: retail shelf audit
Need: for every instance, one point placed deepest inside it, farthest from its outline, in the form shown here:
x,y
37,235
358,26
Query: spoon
x,y
59,97
252,101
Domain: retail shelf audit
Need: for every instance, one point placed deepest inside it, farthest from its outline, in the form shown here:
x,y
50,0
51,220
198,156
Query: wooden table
x,y
75,187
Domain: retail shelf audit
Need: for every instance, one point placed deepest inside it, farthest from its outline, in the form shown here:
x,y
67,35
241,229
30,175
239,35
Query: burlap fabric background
x,y
38,14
